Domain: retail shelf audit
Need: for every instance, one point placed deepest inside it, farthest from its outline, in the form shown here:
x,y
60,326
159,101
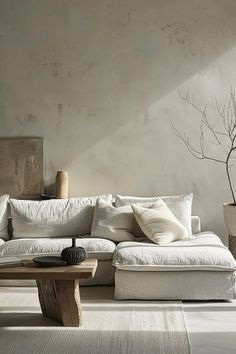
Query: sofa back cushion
x,y
53,218
4,217
116,224
181,206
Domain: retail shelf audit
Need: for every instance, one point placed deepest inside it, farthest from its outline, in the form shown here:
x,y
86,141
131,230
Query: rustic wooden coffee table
x,y
58,288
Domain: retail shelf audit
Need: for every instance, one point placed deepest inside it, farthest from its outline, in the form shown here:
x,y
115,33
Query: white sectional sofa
x,y
199,267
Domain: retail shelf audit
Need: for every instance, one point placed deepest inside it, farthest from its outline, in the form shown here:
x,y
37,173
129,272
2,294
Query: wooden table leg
x,y
60,300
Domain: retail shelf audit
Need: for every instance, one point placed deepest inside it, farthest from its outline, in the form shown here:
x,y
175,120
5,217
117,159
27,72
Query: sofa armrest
x,y
196,224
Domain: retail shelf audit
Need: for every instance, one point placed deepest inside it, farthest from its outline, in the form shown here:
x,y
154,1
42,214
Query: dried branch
x,y
204,119
198,154
227,117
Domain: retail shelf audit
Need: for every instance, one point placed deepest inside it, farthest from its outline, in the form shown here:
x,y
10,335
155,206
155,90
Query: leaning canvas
x,y
21,166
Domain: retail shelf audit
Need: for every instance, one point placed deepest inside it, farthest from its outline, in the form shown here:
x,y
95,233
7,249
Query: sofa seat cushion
x,y
100,249
203,252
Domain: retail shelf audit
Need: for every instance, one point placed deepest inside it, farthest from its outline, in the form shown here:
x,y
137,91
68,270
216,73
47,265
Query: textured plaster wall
x,y
98,80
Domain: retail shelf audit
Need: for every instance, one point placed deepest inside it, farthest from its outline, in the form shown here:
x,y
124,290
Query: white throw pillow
x,y
159,224
4,217
181,206
53,218
116,224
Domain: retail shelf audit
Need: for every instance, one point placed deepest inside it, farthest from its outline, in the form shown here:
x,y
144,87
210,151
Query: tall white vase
x,y
62,183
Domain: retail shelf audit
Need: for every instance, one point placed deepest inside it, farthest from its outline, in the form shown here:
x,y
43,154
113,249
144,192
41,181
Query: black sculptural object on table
x,y
73,255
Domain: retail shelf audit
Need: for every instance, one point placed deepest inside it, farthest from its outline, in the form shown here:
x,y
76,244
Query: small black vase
x,y
73,255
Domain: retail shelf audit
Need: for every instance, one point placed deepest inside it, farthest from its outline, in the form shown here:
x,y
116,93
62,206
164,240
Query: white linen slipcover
x,y
53,218
202,252
4,216
182,285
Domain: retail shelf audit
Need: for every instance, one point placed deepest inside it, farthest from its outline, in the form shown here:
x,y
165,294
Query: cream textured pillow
x,y
116,224
180,205
159,224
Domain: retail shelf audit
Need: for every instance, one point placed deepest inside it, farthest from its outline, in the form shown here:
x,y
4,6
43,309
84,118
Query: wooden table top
x,y
30,270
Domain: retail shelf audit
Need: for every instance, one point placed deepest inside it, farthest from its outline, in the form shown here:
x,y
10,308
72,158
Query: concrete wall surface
x,y
99,80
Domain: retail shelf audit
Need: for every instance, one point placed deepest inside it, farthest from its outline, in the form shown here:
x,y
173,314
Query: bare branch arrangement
x,y
224,137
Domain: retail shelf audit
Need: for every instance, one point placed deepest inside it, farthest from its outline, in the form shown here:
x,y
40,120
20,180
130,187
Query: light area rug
x,y
109,327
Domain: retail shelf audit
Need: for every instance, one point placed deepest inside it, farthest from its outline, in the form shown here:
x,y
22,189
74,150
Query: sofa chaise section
x,y
198,268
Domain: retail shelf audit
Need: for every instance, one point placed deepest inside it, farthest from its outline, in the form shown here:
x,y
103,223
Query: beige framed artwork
x,y
21,167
